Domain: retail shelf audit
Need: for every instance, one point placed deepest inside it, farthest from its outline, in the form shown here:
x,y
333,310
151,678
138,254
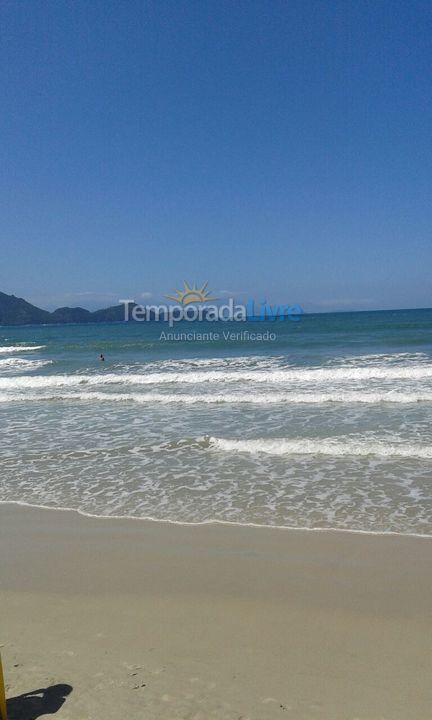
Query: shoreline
x,y
222,523
163,621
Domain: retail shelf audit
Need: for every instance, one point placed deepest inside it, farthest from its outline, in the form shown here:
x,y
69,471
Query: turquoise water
x,y
327,425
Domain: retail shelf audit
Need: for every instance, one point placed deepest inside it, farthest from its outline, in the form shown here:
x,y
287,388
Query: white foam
x,y
324,446
15,363
213,521
20,348
374,478
353,398
276,377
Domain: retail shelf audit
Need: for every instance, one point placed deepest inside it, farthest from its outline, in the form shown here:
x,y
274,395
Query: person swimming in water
x,y
102,359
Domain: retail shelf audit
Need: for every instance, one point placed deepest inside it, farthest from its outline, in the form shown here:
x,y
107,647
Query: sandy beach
x,y
152,620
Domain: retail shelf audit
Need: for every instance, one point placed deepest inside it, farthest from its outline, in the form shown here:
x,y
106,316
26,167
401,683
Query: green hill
x,y
16,311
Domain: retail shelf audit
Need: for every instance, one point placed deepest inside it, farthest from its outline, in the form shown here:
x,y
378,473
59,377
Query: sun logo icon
x,y
192,294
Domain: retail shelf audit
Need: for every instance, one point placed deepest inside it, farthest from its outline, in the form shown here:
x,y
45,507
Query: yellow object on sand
x,y
3,713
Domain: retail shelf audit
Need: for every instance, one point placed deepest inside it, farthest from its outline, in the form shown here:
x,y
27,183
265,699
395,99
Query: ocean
x,y
328,424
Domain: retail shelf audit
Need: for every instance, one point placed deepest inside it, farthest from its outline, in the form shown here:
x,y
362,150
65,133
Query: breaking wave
x,y
20,348
349,398
324,446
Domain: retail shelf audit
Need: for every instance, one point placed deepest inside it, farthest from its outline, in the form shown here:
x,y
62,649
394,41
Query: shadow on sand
x,y
32,705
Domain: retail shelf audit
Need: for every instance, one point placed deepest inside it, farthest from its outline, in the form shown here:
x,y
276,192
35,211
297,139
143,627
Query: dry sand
x,y
150,620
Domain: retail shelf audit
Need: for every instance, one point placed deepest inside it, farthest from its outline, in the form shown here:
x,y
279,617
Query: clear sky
x,y
275,149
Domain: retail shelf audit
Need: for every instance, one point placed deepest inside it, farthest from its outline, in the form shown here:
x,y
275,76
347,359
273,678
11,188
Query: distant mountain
x,y
16,311
70,315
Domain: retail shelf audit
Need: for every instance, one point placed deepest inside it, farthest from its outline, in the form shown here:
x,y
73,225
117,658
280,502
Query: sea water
x,y
325,423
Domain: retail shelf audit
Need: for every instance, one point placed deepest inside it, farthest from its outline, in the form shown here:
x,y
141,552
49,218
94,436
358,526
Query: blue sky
x,y
275,149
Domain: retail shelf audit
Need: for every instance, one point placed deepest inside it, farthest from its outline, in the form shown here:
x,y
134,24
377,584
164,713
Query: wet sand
x,y
150,620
